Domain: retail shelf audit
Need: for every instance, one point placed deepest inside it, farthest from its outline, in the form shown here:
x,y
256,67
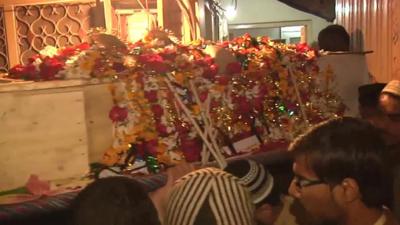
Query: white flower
x,y
49,51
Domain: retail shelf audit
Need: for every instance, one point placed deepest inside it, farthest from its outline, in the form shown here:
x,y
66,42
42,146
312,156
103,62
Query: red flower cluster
x,y
154,62
191,149
47,69
233,68
302,48
41,67
118,114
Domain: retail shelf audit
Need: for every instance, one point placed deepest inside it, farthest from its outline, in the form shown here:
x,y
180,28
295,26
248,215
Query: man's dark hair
x,y
368,95
114,200
347,148
334,38
282,173
368,100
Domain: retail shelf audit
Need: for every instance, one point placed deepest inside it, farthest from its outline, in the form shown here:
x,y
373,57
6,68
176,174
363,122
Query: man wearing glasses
x,y
339,174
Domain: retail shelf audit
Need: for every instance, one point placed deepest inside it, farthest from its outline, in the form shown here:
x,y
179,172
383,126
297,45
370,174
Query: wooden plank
x,y
98,102
42,132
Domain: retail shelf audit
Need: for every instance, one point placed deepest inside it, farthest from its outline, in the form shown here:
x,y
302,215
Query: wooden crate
x,y
52,129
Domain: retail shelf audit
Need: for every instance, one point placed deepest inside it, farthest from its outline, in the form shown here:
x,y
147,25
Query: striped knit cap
x,y
209,196
254,176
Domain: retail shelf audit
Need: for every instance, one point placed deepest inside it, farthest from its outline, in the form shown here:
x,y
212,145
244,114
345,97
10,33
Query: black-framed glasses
x,y
302,182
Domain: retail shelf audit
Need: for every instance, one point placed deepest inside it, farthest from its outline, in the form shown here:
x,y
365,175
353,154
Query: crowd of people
x,y
344,171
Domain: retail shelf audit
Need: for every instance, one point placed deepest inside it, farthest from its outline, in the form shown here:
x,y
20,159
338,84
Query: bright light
x,y
230,12
139,24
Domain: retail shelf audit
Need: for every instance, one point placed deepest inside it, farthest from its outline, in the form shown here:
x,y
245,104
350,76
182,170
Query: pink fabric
x,y
37,186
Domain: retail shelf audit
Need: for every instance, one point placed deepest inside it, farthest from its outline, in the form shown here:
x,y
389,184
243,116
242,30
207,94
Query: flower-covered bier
x,y
180,102
268,90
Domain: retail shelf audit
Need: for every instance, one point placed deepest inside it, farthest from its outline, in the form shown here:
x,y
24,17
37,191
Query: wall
x,y
261,11
374,25
273,33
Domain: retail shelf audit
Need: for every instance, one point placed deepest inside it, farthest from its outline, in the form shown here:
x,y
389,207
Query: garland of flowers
x,y
174,102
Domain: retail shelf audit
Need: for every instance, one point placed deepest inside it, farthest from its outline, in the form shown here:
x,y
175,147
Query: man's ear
x,y
351,190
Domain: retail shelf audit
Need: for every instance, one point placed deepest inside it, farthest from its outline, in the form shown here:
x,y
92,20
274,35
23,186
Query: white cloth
x,y
350,71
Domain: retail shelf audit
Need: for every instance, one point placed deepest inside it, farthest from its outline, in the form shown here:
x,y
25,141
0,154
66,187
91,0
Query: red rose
x,y
168,55
162,130
208,60
233,68
203,96
158,67
17,71
30,73
200,63
118,114
147,58
151,95
27,72
182,128
263,91
305,97
205,61
151,147
154,62
244,107
211,71
50,67
140,149
302,48
67,52
258,104
191,149
225,44
291,106
214,104
223,80
157,110
33,58
264,39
